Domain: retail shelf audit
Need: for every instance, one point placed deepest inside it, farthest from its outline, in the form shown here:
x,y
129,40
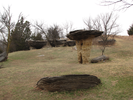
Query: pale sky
x,y
61,11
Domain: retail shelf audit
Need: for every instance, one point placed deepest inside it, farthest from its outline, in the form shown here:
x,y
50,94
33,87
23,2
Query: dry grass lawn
x,y
23,69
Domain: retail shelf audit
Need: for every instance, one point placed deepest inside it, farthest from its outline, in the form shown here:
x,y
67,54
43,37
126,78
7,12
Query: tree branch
x,y
125,3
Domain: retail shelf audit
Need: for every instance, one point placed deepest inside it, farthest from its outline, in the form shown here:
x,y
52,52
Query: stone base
x,y
68,82
83,50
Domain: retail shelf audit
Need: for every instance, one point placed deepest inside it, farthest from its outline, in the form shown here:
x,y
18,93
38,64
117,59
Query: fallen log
x,y
68,82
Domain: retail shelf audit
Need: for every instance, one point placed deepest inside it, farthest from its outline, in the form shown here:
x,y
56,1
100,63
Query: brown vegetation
x,y
24,68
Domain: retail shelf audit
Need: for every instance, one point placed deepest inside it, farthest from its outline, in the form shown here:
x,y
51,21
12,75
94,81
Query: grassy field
x,y
20,73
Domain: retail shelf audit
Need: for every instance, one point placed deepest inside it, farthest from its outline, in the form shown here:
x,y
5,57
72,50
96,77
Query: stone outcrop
x,y
108,42
71,43
83,40
39,44
68,82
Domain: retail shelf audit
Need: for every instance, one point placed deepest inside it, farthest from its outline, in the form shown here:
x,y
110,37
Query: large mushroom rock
x,y
83,40
68,82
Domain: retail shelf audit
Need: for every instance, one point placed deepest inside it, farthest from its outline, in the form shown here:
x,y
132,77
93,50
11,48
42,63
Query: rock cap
x,y
83,34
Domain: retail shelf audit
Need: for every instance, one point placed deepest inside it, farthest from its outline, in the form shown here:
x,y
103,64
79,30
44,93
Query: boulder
x,y
68,82
100,58
3,56
71,43
83,34
37,44
108,42
61,42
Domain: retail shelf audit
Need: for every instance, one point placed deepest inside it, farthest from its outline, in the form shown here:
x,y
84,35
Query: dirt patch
x,y
7,96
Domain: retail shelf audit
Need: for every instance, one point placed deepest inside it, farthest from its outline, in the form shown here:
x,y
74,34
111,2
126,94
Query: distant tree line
x,y
15,35
22,33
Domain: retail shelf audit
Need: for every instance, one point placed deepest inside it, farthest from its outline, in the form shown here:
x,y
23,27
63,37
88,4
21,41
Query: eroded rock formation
x,y
83,40
39,44
68,82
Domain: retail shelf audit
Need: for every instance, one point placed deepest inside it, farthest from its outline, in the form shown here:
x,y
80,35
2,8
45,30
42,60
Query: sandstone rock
x,y
83,40
68,82
100,58
71,43
108,42
3,56
83,34
37,44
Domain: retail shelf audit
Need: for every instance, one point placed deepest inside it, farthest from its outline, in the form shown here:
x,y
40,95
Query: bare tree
x,y
40,27
123,4
54,33
6,25
107,24
93,24
68,26
2,37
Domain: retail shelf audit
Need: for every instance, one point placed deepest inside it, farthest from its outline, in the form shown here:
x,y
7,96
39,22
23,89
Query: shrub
x,y
130,31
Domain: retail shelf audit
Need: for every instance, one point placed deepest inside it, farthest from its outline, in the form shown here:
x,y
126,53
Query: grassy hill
x,y
23,69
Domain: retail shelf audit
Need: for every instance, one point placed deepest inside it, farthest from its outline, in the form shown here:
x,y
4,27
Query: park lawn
x,y
20,73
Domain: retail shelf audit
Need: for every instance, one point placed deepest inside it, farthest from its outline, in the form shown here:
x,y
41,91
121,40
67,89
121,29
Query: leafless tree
x,y
123,4
107,24
6,26
54,33
68,26
40,27
93,24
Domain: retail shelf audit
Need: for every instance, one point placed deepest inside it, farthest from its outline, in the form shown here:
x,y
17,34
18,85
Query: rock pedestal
x,y
83,49
83,40
68,82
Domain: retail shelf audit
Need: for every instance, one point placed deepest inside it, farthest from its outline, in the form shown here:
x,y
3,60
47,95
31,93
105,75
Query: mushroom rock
x,y
83,40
